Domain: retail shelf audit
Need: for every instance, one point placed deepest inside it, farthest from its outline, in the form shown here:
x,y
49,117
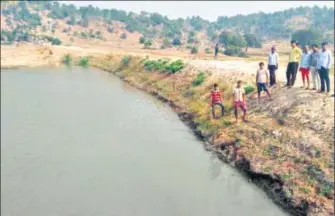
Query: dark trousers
x,y
324,77
272,70
291,73
213,108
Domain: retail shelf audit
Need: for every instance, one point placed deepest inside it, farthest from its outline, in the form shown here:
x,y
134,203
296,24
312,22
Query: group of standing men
x,y
313,61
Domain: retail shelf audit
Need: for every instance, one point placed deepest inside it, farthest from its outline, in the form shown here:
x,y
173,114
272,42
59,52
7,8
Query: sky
x,y
209,10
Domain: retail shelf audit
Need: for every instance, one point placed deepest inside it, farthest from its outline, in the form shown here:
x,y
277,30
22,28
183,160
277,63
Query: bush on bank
x,y
163,65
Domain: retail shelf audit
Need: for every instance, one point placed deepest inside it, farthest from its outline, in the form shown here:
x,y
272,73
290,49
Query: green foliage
x,y
147,44
232,39
200,78
67,59
252,41
264,26
125,61
176,42
142,40
208,50
194,50
308,36
83,62
249,89
166,42
232,51
56,41
163,65
83,35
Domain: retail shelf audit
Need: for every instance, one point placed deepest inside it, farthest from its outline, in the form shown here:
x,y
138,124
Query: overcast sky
x,y
209,10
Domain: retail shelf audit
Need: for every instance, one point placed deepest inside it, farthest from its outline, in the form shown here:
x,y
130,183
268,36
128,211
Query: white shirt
x,y
261,75
325,58
273,58
238,94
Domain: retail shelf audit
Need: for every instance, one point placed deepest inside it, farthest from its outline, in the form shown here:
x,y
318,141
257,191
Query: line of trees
x,y
262,25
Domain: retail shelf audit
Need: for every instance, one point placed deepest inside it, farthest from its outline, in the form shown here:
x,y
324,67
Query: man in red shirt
x,y
216,100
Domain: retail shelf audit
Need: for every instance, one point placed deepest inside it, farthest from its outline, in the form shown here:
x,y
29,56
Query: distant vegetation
x,y
237,31
199,79
163,65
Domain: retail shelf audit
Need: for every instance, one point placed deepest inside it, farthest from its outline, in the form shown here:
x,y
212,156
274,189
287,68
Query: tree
x,y
252,41
147,44
176,42
308,37
142,40
194,50
232,39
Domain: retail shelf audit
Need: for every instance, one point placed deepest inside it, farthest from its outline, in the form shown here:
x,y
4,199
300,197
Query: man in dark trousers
x,y
323,66
216,51
293,64
273,60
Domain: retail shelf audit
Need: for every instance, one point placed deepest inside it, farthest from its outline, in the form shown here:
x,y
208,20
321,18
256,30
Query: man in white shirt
x,y
323,66
239,100
273,60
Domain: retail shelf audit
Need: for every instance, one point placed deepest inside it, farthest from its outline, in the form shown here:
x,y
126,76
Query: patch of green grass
x,y
163,65
67,59
200,78
83,62
325,190
126,60
304,190
249,89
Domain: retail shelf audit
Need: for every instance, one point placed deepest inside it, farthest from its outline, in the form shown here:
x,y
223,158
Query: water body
x,y
80,143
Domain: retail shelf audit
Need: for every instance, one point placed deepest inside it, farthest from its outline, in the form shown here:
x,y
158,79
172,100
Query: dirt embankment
x,y
287,146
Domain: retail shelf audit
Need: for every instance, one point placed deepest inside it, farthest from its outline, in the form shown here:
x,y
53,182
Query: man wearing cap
x,y
293,64
323,67
273,60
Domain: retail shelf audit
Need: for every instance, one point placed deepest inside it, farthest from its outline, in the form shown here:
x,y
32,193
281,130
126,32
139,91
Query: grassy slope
x,y
275,142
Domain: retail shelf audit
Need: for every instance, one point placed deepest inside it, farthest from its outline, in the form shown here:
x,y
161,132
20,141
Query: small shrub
x,y
176,42
83,35
194,50
208,51
147,44
175,66
83,62
200,78
188,46
67,59
163,46
163,65
243,55
232,51
249,89
56,41
142,40
126,60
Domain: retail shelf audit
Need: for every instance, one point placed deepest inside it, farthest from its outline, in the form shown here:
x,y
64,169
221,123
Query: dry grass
x,y
285,154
